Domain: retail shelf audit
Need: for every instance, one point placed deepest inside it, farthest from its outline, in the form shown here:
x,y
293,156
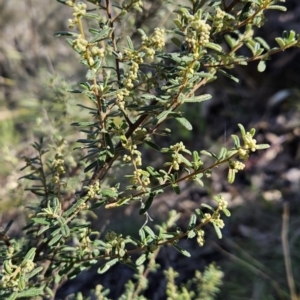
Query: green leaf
x,y
226,212
176,42
84,124
184,160
31,292
245,11
262,42
93,16
29,256
199,212
43,229
222,154
141,259
262,146
34,272
182,251
103,34
152,145
65,230
217,230
149,231
55,239
195,156
228,75
231,41
242,129
208,153
13,296
65,33
231,175
142,32
261,67
214,46
142,234
198,99
176,188
147,204
236,140
109,144
278,7
162,116
193,220
42,221
91,166
107,266
191,234
280,42
129,42
207,206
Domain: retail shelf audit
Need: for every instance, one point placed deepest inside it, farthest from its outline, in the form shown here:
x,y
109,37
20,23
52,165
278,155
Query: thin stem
x,y
250,267
286,251
111,24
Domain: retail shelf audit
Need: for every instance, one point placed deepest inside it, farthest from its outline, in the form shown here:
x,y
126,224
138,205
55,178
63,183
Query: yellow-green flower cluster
x,y
219,222
198,33
14,275
243,154
126,158
176,161
85,241
83,45
80,43
249,142
178,147
206,218
136,155
176,157
215,218
111,236
154,42
135,4
222,203
93,190
236,165
79,9
96,51
200,237
131,76
120,97
58,164
139,176
218,19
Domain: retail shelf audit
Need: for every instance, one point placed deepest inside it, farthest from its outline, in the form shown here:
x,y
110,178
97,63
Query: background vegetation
x,y
36,70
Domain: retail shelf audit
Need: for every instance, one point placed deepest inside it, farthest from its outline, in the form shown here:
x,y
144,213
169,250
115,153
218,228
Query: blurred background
x,y
37,69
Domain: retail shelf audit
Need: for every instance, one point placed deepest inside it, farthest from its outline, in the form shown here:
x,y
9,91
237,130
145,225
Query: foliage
x,y
132,88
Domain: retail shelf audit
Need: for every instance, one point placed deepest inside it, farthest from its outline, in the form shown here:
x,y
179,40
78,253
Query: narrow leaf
x,y
182,251
65,33
141,259
198,98
152,145
214,46
129,42
236,141
217,230
55,239
149,231
185,123
147,204
176,188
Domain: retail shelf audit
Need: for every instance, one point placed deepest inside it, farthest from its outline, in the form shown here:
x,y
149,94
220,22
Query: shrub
x,y
134,87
